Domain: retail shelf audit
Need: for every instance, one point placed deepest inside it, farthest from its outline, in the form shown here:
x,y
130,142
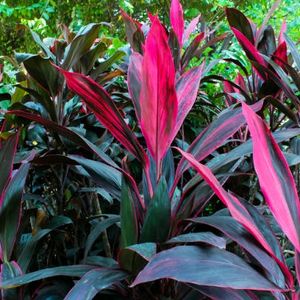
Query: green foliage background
x,y
45,16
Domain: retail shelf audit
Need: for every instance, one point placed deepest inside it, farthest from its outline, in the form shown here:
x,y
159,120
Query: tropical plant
x,y
163,240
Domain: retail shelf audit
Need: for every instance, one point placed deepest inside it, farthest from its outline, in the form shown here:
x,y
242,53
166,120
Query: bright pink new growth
x,y
158,100
275,178
177,20
281,38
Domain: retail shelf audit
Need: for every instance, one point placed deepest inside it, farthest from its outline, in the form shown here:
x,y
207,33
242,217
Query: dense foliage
x,y
167,168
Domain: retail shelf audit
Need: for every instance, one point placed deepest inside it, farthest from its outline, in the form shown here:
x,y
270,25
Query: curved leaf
x,y
204,266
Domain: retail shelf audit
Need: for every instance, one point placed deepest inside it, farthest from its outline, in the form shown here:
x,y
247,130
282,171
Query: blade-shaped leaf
x,y
70,271
10,211
82,42
204,266
93,282
237,209
214,136
7,153
157,220
239,21
187,89
128,214
177,20
158,99
275,178
99,101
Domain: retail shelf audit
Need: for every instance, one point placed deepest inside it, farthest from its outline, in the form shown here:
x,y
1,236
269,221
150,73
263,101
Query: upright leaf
x,y
177,20
129,222
10,211
158,99
275,178
157,221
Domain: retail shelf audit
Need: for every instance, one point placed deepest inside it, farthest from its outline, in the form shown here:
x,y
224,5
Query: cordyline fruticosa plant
x,y
167,249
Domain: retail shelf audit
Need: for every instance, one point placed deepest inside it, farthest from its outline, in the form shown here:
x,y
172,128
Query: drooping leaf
x,y
97,230
275,178
236,232
158,95
199,237
237,210
177,20
251,52
134,32
204,266
93,282
70,271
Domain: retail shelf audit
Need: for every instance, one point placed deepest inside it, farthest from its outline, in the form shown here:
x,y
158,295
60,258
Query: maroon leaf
x,y
275,178
204,266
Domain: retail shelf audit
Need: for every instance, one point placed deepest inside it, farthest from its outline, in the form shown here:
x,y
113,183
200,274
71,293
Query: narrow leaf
x,y
177,20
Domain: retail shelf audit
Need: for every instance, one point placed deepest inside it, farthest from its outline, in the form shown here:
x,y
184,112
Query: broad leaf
x,y
158,99
204,266
93,282
158,217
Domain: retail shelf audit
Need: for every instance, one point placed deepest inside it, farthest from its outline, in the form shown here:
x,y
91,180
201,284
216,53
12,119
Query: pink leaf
x,y
250,50
158,99
275,178
190,28
187,89
235,207
101,104
177,20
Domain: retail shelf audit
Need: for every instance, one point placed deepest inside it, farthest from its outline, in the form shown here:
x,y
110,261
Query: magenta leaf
x,y
101,104
158,99
275,178
177,20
